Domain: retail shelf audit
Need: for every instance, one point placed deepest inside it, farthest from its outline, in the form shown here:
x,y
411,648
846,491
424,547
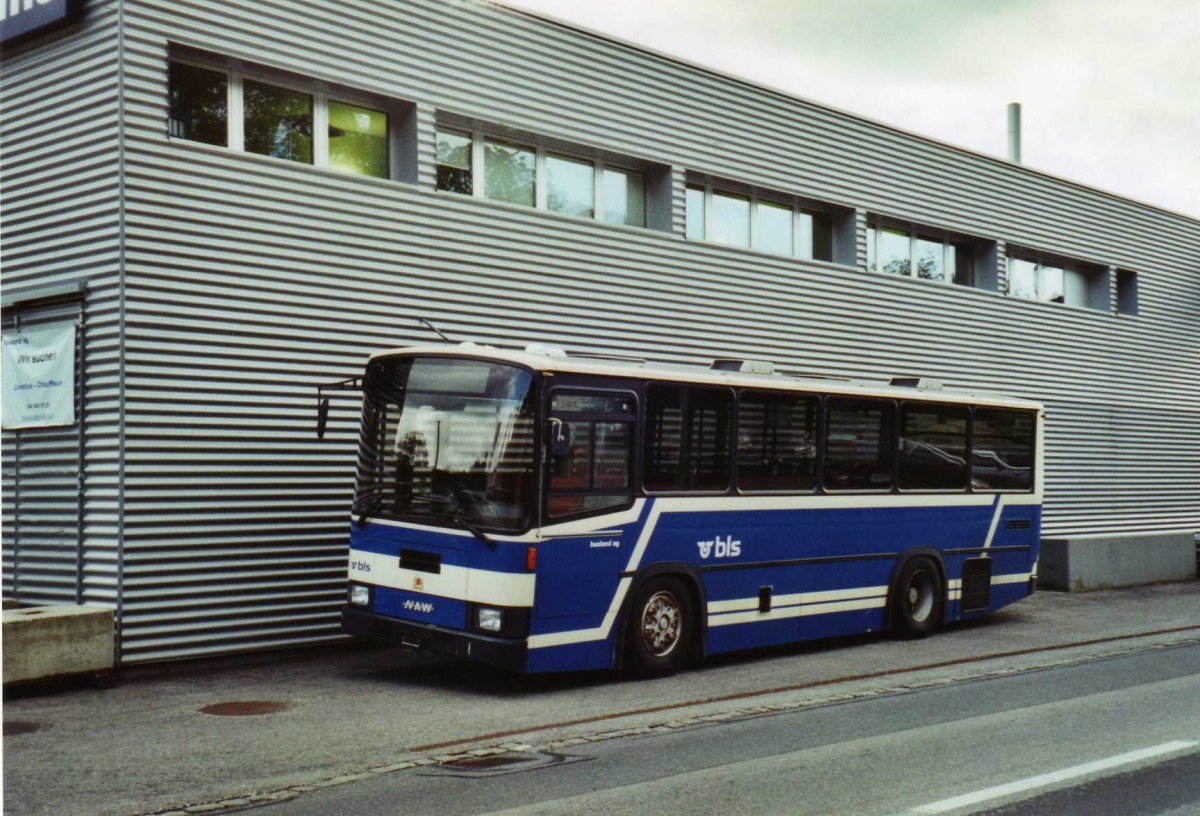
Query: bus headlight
x,y
360,595
491,620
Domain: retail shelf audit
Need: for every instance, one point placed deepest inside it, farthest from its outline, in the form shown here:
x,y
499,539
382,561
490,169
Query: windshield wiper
x,y
366,507
465,499
475,531
462,499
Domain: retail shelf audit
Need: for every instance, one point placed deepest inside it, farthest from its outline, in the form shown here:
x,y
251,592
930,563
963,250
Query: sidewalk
x,y
148,744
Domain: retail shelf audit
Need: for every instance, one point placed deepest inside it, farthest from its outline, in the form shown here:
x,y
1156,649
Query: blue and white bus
x,y
545,512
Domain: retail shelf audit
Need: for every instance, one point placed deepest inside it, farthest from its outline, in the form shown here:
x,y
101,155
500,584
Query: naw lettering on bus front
x,y
720,547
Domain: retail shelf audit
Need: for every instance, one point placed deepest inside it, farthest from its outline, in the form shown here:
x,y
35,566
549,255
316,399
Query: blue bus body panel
x,y
827,569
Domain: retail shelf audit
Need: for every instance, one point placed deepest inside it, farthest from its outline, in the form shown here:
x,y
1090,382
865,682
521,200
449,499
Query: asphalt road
x,y
340,716
951,748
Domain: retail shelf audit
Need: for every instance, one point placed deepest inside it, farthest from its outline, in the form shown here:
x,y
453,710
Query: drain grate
x,y
497,764
14,728
244,708
487,763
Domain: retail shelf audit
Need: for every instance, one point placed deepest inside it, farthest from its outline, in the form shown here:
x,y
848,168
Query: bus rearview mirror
x,y
322,417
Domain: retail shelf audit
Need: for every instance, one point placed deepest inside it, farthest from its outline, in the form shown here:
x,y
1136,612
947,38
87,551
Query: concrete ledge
x,y
44,642
1101,562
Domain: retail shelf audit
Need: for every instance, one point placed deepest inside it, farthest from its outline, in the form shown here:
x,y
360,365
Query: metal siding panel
x,y
59,193
251,280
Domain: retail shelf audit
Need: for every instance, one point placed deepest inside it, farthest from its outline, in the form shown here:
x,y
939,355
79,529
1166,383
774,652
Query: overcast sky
x,y
1110,89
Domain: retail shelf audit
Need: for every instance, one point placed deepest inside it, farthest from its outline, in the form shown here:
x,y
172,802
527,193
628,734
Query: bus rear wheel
x,y
660,628
916,606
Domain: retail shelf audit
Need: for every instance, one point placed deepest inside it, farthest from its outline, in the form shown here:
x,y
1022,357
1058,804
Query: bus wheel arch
x,y
670,589
917,594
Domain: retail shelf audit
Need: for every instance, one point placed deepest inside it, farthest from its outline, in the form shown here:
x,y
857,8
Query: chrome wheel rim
x,y
661,627
919,596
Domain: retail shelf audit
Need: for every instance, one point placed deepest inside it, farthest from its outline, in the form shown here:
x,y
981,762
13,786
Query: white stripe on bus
x,y
802,611
741,604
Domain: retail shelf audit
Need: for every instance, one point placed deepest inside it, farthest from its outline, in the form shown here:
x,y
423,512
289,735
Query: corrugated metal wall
x,y
250,280
59,190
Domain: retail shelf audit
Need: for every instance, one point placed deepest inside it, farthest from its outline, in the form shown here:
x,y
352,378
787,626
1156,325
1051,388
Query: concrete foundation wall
x,y
57,641
1098,562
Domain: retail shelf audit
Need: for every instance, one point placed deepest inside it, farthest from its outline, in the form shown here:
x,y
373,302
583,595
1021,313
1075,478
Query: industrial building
x,y
210,207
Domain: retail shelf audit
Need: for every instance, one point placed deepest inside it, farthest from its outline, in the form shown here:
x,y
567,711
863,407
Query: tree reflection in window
x,y
277,122
508,173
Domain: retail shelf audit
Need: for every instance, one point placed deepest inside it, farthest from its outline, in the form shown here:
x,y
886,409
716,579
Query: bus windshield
x,y
447,440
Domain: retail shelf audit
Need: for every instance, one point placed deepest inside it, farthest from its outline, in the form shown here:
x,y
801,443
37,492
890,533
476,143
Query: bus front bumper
x,y
507,654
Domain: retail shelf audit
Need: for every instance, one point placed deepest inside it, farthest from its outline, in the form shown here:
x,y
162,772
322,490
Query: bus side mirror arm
x,y
352,384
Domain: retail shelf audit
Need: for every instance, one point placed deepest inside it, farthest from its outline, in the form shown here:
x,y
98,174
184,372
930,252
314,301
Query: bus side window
x,y
688,442
777,441
1002,449
859,447
591,450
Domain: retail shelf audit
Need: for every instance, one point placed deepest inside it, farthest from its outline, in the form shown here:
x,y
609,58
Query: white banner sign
x,y
39,377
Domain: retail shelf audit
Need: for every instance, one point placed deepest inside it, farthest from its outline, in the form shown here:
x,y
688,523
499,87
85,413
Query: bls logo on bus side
x,y
720,547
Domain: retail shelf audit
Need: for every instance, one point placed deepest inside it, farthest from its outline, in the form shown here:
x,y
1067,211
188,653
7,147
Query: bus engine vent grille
x,y
976,584
1018,524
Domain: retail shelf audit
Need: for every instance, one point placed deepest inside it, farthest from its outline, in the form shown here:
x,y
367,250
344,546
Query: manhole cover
x,y
243,708
14,727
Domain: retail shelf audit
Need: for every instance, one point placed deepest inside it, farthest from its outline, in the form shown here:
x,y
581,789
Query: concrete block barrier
x,y
1102,562
45,642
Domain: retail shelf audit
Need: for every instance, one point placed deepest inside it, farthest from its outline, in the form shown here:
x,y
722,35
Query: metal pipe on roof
x,y
1014,132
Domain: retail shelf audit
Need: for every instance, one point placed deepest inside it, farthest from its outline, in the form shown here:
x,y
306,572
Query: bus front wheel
x,y
916,599
661,628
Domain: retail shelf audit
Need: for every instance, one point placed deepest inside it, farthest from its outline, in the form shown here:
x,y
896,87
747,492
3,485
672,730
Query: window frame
x,y
799,208
1089,274
544,148
236,73
914,233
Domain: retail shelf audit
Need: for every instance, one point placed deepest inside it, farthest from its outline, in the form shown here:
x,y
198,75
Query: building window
x,y
624,196
570,186
913,252
1127,292
358,140
1053,280
454,161
277,122
730,220
508,173
759,221
289,120
473,162
199,104
695,213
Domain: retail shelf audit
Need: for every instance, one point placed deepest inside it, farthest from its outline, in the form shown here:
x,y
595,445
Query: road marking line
x,y
1052,777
